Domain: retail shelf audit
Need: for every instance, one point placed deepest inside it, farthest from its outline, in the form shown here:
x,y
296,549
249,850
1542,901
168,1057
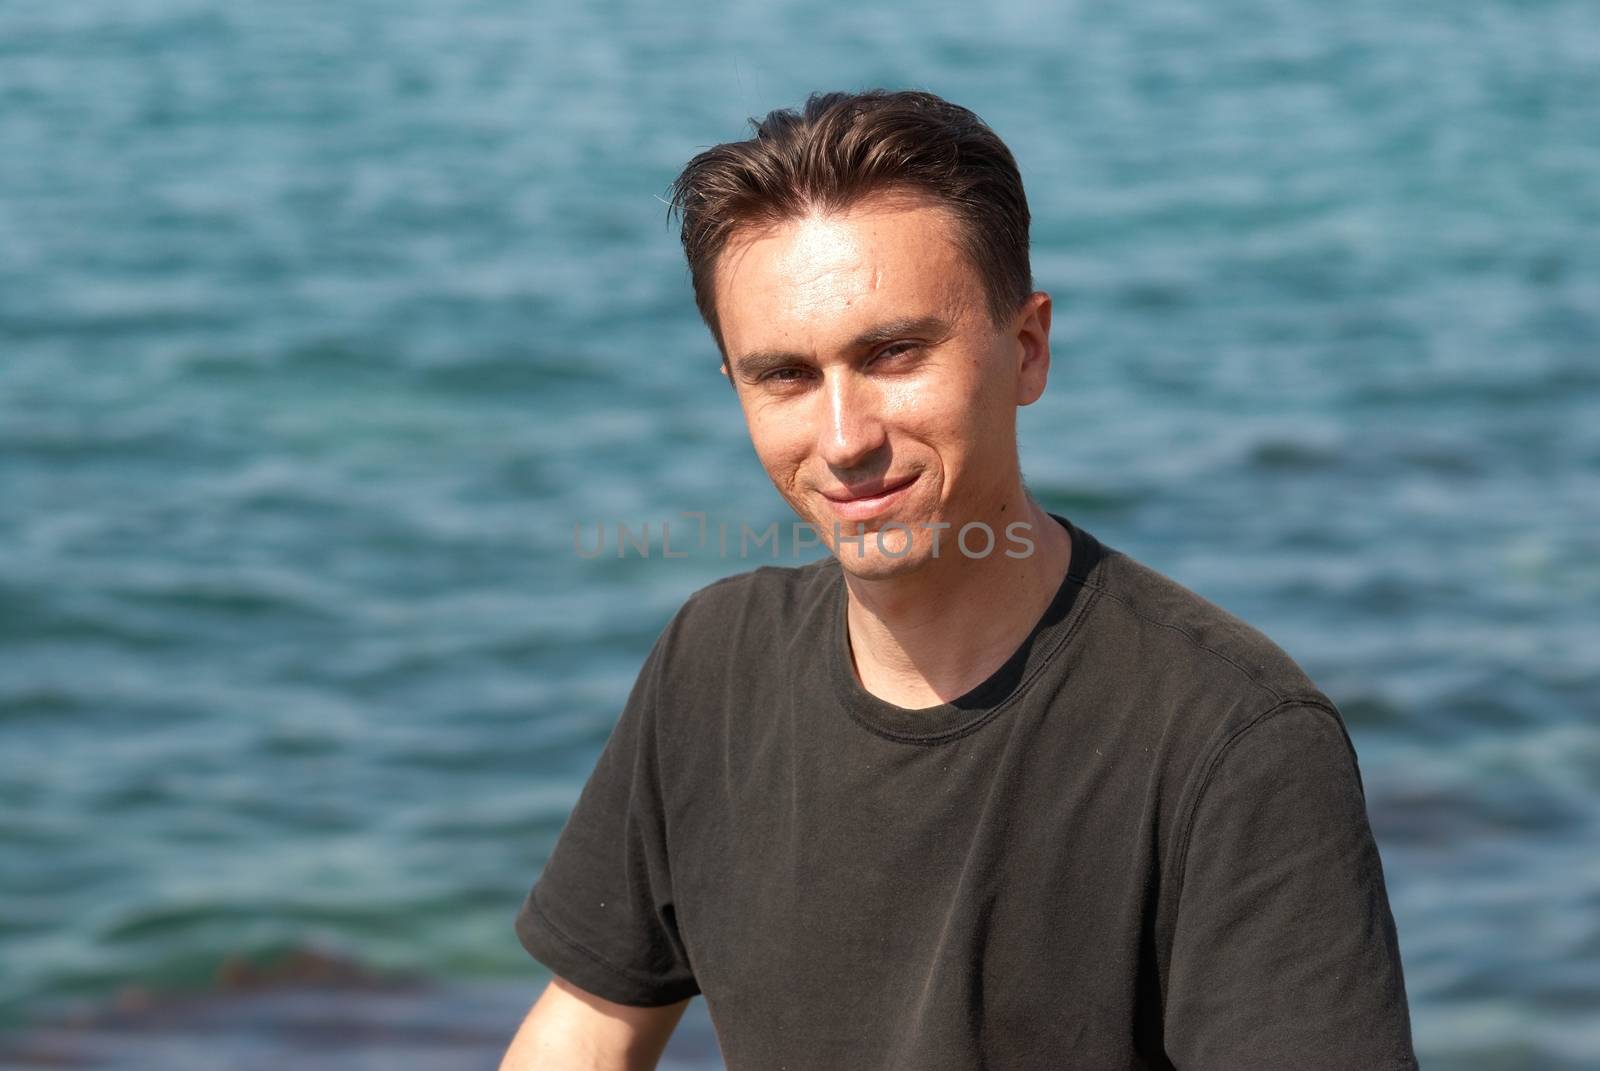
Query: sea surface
x,y
323,324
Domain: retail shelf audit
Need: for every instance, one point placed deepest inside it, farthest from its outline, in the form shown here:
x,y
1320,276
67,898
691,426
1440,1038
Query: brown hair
x,y
840,148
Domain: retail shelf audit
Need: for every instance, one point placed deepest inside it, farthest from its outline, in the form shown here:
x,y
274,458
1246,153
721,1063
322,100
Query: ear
x,y
1031,330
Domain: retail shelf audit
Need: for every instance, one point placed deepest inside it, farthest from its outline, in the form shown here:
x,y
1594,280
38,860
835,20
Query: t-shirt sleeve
x,y
1284,951
601,914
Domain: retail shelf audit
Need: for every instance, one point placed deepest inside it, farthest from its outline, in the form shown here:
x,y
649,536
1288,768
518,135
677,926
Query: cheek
x,y
778,442
905,402
945,409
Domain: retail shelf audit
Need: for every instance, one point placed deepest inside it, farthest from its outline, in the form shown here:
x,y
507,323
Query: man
x,y
976,791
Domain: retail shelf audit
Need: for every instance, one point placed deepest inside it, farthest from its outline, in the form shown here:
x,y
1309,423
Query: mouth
x,y
864,501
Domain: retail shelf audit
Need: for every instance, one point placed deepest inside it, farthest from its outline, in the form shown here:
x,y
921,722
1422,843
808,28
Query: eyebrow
x,y
757,363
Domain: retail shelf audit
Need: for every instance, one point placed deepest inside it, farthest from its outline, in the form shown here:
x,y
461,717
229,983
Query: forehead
x,y
827,274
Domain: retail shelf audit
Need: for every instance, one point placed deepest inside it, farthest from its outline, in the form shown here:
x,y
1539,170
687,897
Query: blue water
x,y
322,324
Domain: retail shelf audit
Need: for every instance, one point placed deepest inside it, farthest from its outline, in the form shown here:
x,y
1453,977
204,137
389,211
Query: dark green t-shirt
x,y
1141,843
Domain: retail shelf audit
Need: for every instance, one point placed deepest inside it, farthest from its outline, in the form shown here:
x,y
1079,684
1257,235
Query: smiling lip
x,y
869,499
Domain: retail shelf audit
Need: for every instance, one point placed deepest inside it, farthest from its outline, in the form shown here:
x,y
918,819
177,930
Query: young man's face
x,y
877,388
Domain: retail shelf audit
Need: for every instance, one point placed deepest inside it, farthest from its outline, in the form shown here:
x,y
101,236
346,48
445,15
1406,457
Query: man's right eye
x,y
791,374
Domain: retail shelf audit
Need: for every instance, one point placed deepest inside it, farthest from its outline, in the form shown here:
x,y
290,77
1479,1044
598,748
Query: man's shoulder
x,y
731,648
1185,640
1182,684
762,607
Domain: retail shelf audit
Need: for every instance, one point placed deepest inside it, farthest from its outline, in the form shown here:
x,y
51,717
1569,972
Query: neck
x,y
932,636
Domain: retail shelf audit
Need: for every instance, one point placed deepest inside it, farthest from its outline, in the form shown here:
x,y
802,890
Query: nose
x,y
854,430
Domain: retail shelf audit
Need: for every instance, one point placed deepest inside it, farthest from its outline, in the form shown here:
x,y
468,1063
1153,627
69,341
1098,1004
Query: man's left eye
x,y
899,349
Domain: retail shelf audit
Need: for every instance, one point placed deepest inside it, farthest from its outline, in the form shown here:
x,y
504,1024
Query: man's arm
x,y
570,1029
1285,952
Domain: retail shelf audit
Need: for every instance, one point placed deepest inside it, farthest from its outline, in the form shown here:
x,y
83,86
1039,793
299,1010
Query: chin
x,y
878,564
875,566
